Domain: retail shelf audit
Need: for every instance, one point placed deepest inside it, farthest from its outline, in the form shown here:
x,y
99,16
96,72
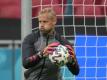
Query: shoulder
x,y
32,36
62,40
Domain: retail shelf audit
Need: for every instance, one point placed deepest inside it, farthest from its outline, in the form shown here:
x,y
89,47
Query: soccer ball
x,y
59,56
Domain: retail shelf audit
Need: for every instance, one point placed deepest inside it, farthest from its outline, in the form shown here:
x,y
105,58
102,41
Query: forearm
x,y
31,61
72,61
73,67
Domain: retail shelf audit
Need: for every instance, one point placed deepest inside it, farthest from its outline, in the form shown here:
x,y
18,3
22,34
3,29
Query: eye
x,y
39,21
45,21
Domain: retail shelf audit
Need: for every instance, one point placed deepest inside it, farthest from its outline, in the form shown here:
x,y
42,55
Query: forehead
x,y
43,16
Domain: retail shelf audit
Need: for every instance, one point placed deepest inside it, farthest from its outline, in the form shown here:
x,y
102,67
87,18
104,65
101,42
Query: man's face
x,y
45,24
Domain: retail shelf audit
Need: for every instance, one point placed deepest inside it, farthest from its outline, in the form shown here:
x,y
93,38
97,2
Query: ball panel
x,y
59,56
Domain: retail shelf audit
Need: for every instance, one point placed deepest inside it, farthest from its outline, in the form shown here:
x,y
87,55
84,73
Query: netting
x,y
83,23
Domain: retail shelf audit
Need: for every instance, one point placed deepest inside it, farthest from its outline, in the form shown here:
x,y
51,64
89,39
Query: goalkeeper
x,y
39,44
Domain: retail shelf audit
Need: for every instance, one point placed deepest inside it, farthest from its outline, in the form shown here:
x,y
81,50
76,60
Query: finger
x,y
51,46
69,47
54,44
48,49
72,56
71,50
47,53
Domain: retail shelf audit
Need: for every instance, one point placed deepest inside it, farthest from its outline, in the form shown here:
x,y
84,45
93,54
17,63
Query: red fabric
x,y
104,3
54,44
89,2
78,2
10,9
56,5
89,8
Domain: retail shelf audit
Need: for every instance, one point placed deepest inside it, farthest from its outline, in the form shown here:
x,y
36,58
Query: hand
x,y
72,54
70,49
50,48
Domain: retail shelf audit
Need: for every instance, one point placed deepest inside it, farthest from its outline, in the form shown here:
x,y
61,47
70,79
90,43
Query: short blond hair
x,y
51,13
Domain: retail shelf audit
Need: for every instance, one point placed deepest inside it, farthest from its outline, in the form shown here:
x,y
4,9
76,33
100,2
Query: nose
x,y
41,24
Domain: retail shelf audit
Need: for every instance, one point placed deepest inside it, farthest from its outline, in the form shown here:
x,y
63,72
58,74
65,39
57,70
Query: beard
x,y
46,32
